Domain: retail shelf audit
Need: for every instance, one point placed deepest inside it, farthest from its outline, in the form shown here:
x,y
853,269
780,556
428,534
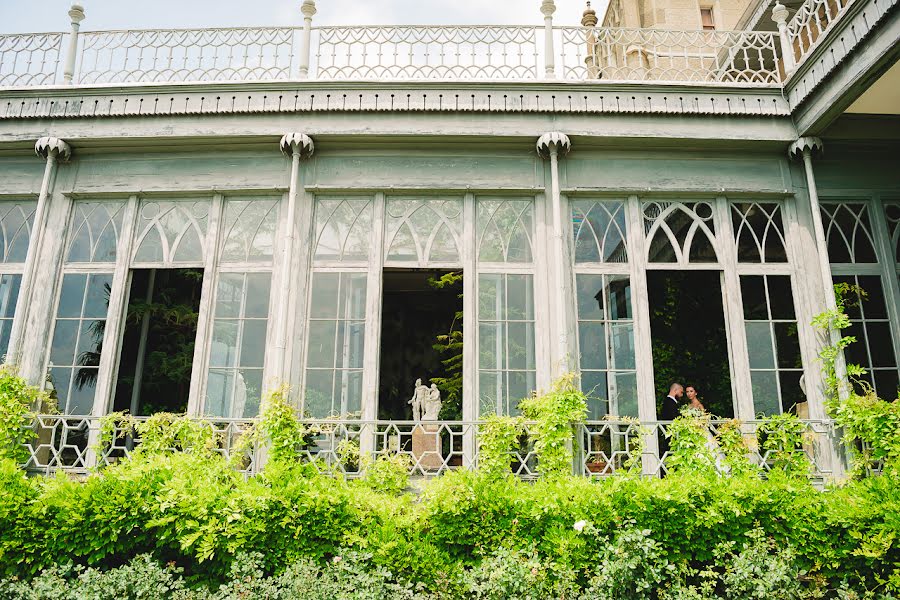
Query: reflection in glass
x,y
16,222
78,340
238,347
343,227
171,231
335,346
598,229
9,294
506,344
505,230
606,344
94,231
250,226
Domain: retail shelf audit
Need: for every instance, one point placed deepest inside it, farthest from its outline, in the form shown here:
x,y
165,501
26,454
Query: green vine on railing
x,y
556,414
18,401
497,440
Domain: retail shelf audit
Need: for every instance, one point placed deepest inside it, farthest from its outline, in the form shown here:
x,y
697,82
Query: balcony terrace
x,y
420,53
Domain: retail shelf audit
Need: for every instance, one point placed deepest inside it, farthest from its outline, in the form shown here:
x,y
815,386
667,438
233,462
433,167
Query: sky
x,y
20,16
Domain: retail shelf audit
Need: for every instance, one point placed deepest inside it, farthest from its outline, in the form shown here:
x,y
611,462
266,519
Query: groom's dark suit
x,y
668,412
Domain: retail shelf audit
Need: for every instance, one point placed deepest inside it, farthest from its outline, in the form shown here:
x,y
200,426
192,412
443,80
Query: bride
x,y
696,405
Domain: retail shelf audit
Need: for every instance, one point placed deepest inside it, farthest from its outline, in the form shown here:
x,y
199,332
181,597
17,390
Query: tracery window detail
x,y
892,215
343,229
16,222
848,233
171,231
250,226
95,231
505,230
598,229
423,231
680,232
759,232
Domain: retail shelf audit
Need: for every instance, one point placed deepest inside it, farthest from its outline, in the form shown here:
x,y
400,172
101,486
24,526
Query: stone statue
x,y
418,400
432,404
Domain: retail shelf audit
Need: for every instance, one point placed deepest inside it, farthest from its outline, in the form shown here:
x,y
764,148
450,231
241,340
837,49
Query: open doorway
x,y
421,338
690,344
158,345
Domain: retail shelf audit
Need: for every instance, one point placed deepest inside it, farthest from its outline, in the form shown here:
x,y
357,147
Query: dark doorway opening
x,y
690,344
421,338
158,346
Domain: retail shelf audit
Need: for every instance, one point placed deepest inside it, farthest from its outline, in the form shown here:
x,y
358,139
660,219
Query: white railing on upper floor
x,y
439,53
810,22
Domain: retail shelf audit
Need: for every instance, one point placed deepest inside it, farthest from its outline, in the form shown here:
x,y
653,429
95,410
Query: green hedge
x,y
197,515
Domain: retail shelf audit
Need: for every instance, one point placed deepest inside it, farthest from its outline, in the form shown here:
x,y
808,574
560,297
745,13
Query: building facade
x,y
277,200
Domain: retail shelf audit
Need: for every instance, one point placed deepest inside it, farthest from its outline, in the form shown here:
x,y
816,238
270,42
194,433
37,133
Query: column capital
x,y
779,13
46,147
299,143
806,144
548,7
551,141
76,13
308,8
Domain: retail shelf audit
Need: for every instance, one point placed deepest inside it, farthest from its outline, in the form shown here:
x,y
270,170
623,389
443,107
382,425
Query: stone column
x,y
548,7
76,14
551,145
308,8
805,147
297,146
780,17
53,150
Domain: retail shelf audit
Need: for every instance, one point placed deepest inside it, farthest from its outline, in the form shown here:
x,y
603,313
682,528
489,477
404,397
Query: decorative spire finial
x,y
76,13
589,18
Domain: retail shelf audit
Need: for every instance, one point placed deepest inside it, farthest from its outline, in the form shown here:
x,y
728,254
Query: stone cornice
x,y
305,97
836,46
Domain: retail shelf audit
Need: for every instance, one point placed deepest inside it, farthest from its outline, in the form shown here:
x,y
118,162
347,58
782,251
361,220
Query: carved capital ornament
x,y
53,146
553,140
297,142
806,144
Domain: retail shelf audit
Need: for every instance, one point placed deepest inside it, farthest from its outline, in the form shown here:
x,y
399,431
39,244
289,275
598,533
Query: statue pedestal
x,y
426,446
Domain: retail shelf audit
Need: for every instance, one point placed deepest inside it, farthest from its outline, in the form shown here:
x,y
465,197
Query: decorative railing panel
x,y
158,56
412,52
811,21
29,59
602,448
730,57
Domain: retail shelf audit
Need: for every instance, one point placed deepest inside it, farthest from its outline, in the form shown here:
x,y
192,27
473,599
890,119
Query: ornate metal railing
x,y
810,22
30,59
602,448
732,57
432,52
162,56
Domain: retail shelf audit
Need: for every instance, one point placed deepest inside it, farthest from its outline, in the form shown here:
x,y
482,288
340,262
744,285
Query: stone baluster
x,y
76,14
308,8
548,7
780,16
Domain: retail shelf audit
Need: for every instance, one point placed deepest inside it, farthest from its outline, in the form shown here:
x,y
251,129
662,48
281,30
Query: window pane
x,y
253,344
625,394
753,293
759,345
321,344
96,303
787,343
230,294
520,297
324,304
352,300
65,337
765,392
489,296
71,297
520,344
318,393
589,293
619,297
250,227
258,287
873,306
622,338
781,300
592,345
223,352
16,222
881,345
593,384
791,394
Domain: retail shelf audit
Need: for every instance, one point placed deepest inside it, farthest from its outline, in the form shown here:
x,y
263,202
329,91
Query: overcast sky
x,y
19,16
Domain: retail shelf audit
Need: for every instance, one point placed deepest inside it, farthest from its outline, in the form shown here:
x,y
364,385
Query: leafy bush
x,y
18,400
555,414
633,567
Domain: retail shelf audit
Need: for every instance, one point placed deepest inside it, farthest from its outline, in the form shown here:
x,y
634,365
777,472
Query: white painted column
x,y
308,8
76,14
643,348
804,147
53,150
780,16
548,7
739,357
372,350
297,146
470,400
551,145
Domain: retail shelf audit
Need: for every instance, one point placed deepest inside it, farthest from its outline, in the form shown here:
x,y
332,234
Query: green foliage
x,y
735,448
871,429
18,400
388,473
278,429
450,345
782,437
555,414
633,567
689,446
761,571
497,440
165,433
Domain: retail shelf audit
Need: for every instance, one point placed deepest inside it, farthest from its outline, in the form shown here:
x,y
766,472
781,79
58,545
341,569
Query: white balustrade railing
x,y
164,56
30,59
724,57
811,21
602,448
410,52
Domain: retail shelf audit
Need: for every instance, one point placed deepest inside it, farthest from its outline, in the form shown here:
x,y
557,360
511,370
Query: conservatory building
x,y
667,192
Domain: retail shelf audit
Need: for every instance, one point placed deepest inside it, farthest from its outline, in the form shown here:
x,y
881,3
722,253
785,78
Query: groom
x,y
671,404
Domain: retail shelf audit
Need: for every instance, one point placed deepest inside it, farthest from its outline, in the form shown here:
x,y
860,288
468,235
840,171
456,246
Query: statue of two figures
x,y
426,402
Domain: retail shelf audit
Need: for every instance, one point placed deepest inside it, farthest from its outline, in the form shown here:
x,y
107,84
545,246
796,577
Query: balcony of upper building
x,y
768,46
